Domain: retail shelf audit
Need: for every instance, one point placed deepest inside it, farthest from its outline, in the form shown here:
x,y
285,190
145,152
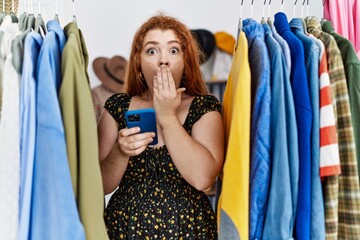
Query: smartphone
x,y
143,118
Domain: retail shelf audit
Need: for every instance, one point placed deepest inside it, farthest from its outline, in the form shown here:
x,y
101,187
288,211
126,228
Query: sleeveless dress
x,y
153,200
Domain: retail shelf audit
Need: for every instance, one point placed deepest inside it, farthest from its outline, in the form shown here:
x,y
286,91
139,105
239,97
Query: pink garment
x,y
345,16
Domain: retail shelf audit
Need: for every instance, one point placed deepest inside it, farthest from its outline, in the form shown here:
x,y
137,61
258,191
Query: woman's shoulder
x,y
206,103
118,99
117,103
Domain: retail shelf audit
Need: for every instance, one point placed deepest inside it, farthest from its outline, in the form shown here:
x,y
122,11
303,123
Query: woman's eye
x,y
151,51
174,50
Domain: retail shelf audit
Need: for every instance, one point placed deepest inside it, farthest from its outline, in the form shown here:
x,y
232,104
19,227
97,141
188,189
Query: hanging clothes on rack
x,y
54,207
341,192
233,204
280,214
352,72
9,133
81,133
260,161
300,89
311,61
345,17
32,45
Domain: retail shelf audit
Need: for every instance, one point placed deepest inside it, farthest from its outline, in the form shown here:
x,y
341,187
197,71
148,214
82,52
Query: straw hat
x,y
111,72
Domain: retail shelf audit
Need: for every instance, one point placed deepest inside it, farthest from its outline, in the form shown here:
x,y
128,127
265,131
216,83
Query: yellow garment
x,y
234,198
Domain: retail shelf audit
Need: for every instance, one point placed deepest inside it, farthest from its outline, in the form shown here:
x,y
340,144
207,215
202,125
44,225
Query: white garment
x,y
9,136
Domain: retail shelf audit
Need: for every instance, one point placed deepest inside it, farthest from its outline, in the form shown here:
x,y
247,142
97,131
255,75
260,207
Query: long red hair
x,y
192,79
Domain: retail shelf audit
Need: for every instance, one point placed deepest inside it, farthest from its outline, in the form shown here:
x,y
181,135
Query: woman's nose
x,y
164,62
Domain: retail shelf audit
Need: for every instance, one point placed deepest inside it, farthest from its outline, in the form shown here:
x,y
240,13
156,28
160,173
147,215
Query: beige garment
x,y
8,5
99,95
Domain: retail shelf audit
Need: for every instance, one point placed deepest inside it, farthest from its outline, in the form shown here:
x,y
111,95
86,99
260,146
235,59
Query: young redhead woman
x,y
160,188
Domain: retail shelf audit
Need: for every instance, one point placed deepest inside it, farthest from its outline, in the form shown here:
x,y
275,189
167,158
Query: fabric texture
x,y
300,88
329,147
341,193
279,215
352,72
9,135
153,199
99,96
33,42
260,161
233,204
312,59
345,15
81,134
54,213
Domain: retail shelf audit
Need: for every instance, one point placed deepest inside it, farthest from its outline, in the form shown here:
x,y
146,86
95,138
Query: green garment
x,y
81,134
352,71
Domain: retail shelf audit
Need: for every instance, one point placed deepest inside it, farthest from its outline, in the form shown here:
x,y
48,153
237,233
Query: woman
x,y
160,192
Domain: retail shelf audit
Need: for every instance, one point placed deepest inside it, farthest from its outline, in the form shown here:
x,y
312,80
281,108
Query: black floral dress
x,y
153,200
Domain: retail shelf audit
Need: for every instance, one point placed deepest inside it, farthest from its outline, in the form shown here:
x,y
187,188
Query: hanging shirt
x,y
345,15
81,134
260,126
312,55
352,72
341,193
280,215
9,136
32,47
284,46
329,148
233,205
300,89
54,213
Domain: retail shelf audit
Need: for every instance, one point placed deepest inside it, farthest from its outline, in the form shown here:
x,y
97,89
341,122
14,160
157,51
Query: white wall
x,y
108,26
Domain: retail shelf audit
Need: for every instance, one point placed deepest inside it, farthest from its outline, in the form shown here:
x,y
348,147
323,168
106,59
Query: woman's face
x,y
161,49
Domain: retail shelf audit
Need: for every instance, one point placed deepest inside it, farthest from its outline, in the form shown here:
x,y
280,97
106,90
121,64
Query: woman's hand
x,y
131,142
166,97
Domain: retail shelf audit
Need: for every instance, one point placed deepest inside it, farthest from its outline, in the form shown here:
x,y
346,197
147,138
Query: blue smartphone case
x,y
143,118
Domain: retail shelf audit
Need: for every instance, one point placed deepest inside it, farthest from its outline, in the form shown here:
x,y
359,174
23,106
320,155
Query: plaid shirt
x,y
341,193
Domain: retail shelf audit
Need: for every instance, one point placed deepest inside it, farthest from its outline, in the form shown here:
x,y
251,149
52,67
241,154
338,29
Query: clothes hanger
x,y
74,14
263,15
282,6
39,23
240,25
269,21
307,8
56,18
302,17
252,9
294,8
302,9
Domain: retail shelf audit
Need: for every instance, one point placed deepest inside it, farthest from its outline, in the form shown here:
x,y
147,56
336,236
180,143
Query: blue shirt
x,y
54,212
312,61
260,126
279,216
299,84
32,47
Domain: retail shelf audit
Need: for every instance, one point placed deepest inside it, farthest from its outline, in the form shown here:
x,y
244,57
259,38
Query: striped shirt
x,y
341,193
329,148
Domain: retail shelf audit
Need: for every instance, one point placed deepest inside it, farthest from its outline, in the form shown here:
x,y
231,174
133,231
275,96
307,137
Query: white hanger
x,y
252,9
294,8
74,14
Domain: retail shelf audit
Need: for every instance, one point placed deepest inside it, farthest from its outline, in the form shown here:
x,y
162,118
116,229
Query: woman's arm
x,y
115,149
198,157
